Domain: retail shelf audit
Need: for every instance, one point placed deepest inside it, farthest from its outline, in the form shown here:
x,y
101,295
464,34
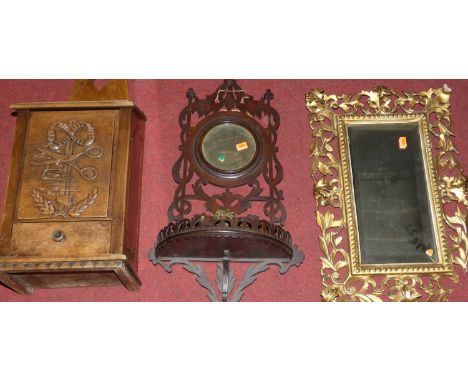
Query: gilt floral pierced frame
x,y
343,278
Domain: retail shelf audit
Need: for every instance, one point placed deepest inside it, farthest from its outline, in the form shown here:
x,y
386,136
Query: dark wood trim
x,y
192,150
228,101
78,105
120,184
14,176
14,284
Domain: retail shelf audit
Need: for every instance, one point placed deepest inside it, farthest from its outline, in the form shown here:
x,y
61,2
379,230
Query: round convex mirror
x,y
228,147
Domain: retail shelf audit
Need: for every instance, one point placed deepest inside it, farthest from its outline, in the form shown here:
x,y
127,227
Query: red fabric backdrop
x,y
162,100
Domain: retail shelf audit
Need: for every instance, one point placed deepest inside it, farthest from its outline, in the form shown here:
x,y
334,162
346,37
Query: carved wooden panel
x,y
67,165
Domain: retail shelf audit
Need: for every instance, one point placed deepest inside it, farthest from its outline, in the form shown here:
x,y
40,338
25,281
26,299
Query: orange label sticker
x,y
402,143
242,146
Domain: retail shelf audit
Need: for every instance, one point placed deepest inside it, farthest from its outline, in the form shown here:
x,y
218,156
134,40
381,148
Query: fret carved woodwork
x,y
230,101
206,217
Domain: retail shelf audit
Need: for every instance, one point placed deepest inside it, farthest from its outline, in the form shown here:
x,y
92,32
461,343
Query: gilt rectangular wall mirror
x,y
391,195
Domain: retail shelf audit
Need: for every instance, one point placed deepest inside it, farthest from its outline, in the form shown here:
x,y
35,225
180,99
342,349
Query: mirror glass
x,y
228,147
391,195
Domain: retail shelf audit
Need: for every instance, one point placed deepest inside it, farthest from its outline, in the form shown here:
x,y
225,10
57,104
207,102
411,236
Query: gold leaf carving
x,y
222,213
326,192
340,284
460,241
454,188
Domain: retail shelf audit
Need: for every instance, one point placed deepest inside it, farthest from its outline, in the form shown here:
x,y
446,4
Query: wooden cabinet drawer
x,y
84,238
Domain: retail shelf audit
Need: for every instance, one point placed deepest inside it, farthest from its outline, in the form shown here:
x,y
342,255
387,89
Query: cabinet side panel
x,y
13,181
120,182
134,192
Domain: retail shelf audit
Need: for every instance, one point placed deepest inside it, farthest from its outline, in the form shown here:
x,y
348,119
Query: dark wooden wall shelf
x,y
228,162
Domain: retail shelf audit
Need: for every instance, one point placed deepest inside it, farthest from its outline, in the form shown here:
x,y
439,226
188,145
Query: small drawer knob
x,y
58,235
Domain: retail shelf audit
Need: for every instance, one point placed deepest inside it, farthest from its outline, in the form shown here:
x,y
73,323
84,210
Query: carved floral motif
x,y
338,281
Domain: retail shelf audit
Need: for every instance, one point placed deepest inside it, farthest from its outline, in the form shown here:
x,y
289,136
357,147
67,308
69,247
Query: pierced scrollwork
x,y
196,269
219,233
228,97
340,284
200,223
454,189
227,200
410,288
458,223
326,192
250,275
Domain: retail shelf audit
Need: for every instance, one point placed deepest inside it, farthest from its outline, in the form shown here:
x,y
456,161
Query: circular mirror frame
x,y
228,147
226,178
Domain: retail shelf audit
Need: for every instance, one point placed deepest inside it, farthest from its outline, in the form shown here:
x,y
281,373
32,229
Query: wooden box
x,y
71,213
